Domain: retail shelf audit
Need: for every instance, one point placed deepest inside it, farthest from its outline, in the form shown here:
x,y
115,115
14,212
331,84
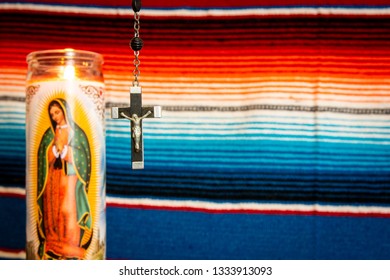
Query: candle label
x,y
65,184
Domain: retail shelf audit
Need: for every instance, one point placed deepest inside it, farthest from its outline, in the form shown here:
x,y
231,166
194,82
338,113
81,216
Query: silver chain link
x,y
136,61
136,24
136,71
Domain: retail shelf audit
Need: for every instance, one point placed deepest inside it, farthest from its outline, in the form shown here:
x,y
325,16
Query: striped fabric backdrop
x,y
275,136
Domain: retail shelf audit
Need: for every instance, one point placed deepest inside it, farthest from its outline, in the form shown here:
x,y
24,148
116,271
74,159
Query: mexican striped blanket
x,y
275,136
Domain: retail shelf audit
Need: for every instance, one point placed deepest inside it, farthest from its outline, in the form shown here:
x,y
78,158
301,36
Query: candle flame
x,y
69,72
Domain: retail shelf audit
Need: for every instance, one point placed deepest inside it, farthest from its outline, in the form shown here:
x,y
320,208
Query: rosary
x,y
136,113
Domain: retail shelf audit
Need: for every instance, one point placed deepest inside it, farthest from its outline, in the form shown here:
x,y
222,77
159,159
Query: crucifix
x,y
136,113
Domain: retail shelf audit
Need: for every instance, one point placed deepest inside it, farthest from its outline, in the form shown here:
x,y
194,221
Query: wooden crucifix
x,y
136,113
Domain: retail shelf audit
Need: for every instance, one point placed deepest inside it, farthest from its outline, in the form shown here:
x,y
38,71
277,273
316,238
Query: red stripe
x,y
248,211
12,251
13,195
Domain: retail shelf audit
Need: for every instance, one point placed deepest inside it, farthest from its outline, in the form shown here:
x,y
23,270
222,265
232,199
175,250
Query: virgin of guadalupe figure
x,y
64,171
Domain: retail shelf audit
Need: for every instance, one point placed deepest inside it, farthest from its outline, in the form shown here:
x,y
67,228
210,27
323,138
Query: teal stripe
x,y
316,163
234,167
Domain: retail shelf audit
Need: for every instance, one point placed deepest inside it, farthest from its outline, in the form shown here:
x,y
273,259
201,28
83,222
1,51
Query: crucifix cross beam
x,y
136,113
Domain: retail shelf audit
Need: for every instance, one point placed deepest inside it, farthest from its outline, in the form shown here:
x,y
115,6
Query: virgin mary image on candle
x,y
64,171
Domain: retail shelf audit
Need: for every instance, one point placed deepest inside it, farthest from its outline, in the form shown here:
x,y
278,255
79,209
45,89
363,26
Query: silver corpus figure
x,y
137,132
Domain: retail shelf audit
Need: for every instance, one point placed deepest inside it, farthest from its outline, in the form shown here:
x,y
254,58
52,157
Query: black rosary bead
x,y
136,5
136,44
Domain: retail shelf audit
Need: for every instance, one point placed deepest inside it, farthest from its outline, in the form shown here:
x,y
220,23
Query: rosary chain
x,y
136,24
136,61
136,71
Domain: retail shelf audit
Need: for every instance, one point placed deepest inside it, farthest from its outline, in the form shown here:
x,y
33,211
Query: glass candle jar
x,y
65,155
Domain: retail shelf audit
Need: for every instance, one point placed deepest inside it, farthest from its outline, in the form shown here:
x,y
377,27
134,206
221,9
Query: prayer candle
x,y
65,155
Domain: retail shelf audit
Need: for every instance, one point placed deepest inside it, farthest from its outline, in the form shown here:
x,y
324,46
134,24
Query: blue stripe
x,y
172,235
13,220
259,161
349,176
299,187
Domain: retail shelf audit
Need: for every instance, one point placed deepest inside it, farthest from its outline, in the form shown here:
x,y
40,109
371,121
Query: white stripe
x,y
221,100
234,206
199,12
328,117
254,128
276,98
10,255
113,125
245,129
268,11
12,106
188,122
245,133
249,206
240,117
